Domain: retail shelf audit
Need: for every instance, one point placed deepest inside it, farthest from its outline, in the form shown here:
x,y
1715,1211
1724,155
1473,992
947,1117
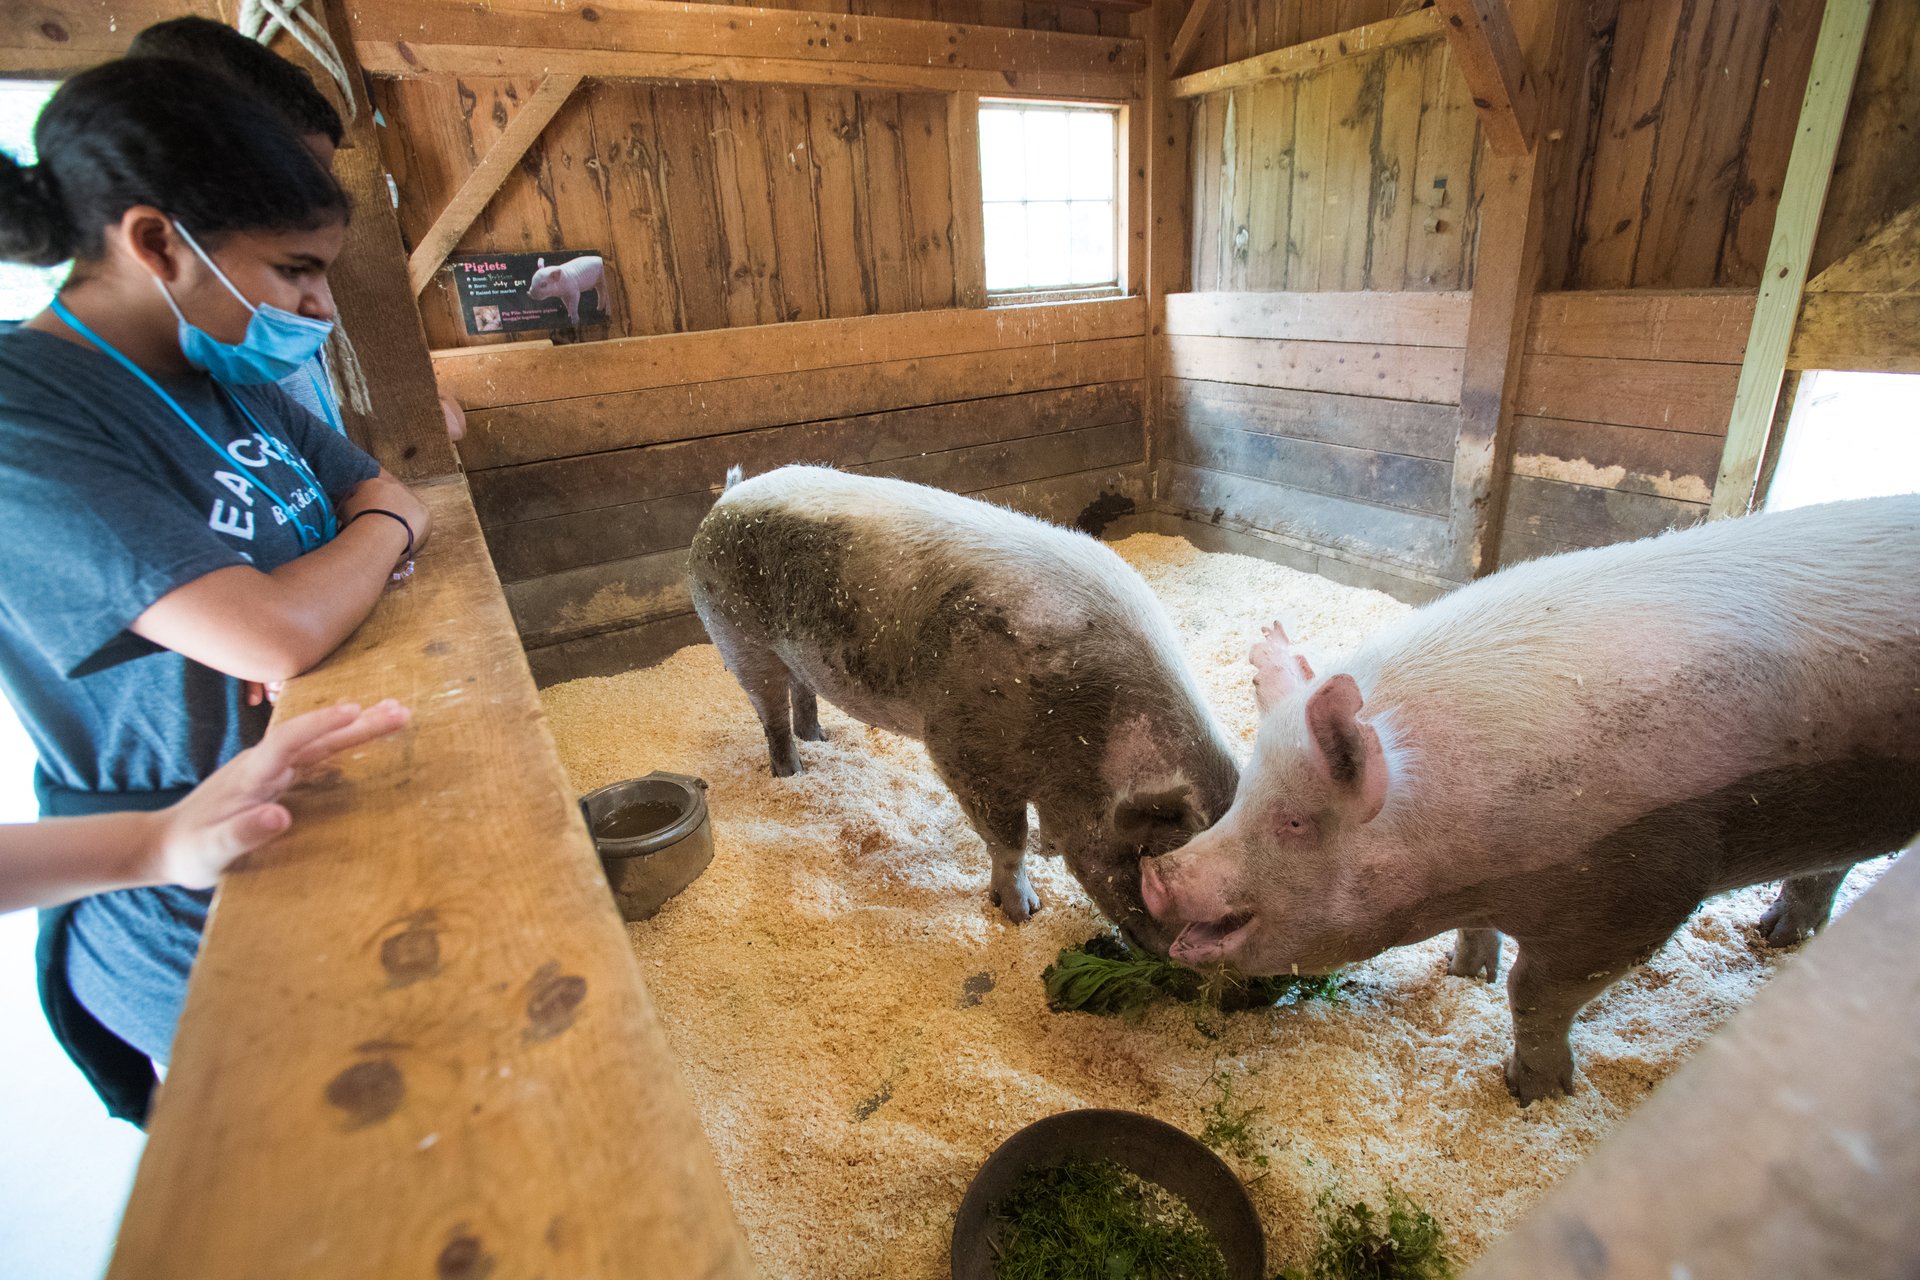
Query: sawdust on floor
x,y
859,1028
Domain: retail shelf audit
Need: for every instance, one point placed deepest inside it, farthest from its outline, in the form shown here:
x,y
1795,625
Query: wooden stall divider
x,y
1789,1144
416,1040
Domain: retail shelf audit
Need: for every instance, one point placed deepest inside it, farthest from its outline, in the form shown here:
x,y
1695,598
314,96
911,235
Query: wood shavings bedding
x,y
859,1028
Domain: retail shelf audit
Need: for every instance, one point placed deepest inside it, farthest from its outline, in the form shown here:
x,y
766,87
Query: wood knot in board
x,y
413,953
54,32
368,1092
464,1258
553,999
589,14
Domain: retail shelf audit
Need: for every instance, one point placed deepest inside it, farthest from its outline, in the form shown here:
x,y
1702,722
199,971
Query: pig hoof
x,y
1781,926
1476,956
786,768
813,733
1019,905
1529,1086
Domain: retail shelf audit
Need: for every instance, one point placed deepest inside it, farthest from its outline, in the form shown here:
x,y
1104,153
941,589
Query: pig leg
x,y
1802,909
1476,954
806,714
1552,980
767,682
999,816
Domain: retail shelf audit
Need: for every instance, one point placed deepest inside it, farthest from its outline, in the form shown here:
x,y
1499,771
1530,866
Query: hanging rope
x,y
260,19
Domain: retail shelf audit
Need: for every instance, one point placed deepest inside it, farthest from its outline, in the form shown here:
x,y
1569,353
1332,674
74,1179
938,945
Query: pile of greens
x,y
1103,975
1359,1242
1094,1220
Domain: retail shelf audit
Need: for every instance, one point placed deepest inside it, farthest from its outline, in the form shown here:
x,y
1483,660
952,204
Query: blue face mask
x,y
277,342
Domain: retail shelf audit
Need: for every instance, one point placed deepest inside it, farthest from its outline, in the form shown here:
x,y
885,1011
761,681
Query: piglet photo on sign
x,y
517,292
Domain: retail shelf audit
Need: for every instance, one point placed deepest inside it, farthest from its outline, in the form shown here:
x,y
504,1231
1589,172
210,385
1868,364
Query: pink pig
x,y
1576,751
567,281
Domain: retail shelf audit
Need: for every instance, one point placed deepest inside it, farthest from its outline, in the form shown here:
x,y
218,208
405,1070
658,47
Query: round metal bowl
x,y
653,836
1152,1149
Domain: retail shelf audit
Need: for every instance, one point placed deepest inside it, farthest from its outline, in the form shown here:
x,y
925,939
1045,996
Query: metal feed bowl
x,y
1152,1149
649,866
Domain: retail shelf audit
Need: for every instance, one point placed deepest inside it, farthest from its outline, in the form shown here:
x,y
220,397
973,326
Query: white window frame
x,y
1115,288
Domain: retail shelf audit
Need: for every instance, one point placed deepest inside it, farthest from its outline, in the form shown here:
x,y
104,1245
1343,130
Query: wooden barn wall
x,y
1693,105
591,464
715,205
1323,422
1358,175
1622,414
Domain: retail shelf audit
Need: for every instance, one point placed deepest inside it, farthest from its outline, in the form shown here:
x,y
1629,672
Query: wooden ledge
x,y
416,1041
1296,59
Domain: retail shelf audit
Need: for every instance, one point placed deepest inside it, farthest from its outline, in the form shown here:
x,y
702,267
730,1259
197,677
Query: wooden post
x,y
1188,35
1836,57
1788,1146
969,218
1167,215
405,430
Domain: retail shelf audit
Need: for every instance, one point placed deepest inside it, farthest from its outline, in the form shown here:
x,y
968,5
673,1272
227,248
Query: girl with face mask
x,y
175,529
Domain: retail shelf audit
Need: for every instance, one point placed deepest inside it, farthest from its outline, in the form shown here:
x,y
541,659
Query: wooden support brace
x,y
1836,57
1888,261
1423,24
1481,32
1189,34
1788,1146
474,194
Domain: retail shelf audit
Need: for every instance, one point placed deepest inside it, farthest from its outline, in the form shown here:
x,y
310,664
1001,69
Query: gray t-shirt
x,y
109,501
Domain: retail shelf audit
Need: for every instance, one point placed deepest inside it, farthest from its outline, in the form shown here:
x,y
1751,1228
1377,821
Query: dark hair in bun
x,y
154,131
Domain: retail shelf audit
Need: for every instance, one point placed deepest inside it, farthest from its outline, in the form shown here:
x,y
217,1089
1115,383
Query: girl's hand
x,y
234,811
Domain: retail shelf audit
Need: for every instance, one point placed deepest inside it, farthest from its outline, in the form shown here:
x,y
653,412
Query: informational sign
x,y
515,292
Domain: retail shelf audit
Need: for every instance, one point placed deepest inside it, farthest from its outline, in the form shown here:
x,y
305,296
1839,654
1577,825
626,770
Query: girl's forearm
x,y
44,864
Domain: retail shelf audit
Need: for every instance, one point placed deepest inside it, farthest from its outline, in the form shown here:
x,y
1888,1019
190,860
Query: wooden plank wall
x,y
1623,405
716,205
1322,421
1686,148
1355,175
591,464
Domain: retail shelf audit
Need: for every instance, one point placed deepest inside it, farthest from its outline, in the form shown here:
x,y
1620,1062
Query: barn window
x,y
1048,184
24,291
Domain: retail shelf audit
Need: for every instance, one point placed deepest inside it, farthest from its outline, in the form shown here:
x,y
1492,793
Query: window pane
x,y
24,290
1091,163
1003,164
1093,258
1046,155
1049,244
1006,245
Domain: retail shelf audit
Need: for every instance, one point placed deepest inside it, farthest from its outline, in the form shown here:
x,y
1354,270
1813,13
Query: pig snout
x,y
1188,893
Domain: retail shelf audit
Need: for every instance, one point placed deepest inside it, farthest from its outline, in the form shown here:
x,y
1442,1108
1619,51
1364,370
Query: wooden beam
x,y
1423,24
646,40
1867,332
1692,1185
1823,112
1888,261
1496,72
968,232
479,188
1168,218
416,1041
55,38
1189,34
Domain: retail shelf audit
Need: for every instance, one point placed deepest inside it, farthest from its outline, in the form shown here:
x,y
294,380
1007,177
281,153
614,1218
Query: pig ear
x,y
1346,750
1145,816
1278,667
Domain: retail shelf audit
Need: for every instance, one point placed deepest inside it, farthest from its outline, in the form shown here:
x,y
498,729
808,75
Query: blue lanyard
x,y
308,538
